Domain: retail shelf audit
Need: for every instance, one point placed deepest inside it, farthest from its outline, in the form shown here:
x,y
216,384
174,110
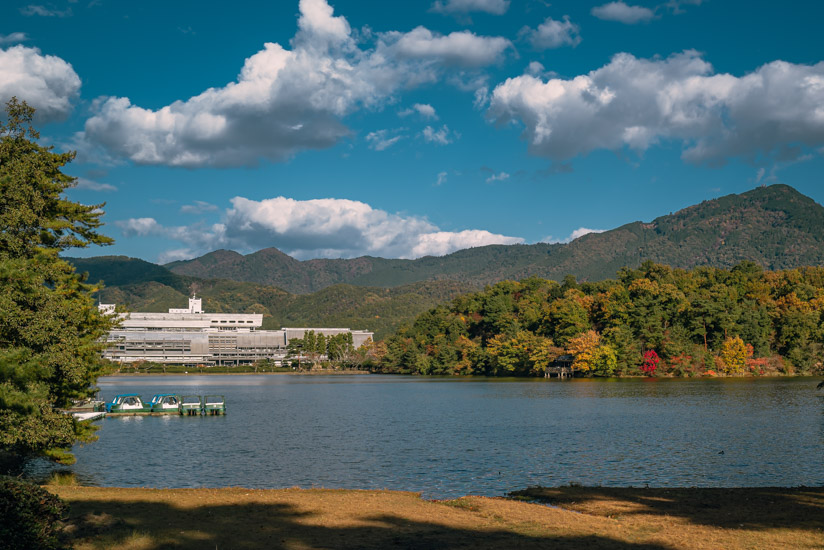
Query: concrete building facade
x,y
192,337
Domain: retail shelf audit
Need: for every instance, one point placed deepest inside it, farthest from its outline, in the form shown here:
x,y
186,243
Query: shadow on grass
x,y
752,508
152,526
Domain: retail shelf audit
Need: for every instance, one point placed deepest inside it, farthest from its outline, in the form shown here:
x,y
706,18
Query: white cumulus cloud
x,y
329,228
318,22
459,48
423,109
139,226
440,136
624,13
284,100
45,82
636,103
426,110
553,34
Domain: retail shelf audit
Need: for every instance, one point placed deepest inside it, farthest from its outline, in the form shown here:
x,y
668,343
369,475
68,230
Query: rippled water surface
x,y
451,437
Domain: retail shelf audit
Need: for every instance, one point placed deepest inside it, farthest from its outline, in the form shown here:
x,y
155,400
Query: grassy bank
x,y
567,517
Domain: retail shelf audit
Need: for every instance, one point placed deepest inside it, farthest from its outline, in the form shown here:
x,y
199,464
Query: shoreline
x,y
818,377
561,517
286,373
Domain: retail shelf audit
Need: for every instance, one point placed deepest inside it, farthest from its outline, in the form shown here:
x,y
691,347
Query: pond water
x,y
447,437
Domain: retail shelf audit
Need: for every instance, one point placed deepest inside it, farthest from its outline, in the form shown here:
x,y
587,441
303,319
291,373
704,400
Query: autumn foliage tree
x,y
584,348
512,354
733,355
650,364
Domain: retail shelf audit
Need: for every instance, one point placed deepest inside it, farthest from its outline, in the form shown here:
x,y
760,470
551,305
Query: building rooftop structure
x,y
192,318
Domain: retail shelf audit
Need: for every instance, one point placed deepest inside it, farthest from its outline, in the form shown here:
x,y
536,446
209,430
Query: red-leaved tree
x,y
651,361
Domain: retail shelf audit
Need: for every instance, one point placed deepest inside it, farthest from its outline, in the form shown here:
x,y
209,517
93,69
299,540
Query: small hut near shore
x,y
561,367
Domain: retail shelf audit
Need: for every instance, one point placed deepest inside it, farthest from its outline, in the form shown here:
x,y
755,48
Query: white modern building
x,y
192,337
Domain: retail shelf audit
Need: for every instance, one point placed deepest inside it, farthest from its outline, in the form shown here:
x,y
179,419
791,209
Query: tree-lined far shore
x,y
654,321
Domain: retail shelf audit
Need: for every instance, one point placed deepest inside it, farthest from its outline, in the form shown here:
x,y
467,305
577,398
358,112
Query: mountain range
x,y
775,227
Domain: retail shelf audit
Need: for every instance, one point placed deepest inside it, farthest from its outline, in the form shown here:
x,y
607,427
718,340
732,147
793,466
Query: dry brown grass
x,y
149,519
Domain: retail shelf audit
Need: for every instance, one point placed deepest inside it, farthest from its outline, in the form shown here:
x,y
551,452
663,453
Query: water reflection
x,y
449,437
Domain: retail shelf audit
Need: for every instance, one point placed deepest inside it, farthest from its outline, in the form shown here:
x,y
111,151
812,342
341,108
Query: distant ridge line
x,y
775,226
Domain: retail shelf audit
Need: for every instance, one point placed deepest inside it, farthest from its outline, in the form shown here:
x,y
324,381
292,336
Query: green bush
x,y
30,517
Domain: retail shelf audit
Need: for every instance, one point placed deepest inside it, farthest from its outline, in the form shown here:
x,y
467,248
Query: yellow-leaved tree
x,y
591,356
584,347
734,355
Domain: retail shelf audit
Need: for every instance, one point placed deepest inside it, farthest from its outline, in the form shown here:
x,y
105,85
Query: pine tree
x,y
50,329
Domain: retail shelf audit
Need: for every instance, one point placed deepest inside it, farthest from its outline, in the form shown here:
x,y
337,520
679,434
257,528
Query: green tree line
x,y
335,350
652,320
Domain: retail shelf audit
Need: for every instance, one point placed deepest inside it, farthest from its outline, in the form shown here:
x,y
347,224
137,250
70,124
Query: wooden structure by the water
x,y
561,367
560,372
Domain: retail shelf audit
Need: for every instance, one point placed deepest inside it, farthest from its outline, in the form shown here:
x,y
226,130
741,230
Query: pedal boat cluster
x,y
131,404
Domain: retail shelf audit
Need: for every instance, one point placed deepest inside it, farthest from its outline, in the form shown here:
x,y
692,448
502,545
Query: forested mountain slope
x,y
776,227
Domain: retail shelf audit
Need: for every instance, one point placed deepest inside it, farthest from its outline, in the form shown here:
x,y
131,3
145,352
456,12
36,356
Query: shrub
x,y
775,365
30,517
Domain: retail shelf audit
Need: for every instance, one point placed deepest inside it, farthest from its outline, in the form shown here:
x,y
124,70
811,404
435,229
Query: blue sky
x,y
400,129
